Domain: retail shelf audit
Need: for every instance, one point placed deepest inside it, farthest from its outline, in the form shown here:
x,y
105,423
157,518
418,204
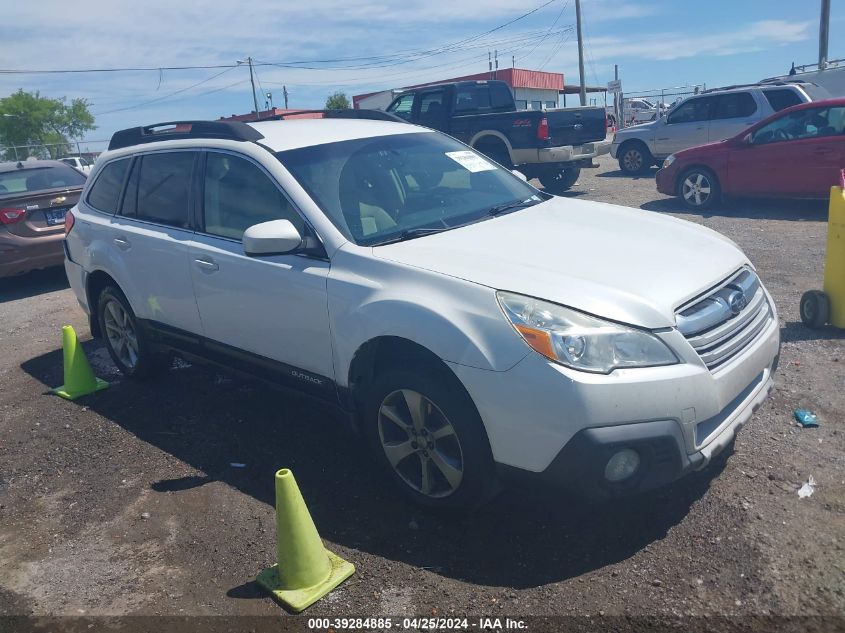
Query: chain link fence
x,y
87,148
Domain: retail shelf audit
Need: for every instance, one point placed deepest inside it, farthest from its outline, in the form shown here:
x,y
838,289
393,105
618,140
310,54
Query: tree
x,y
47,124
338,101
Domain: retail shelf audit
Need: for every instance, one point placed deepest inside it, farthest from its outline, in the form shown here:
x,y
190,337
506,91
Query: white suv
x,y
712,116
471,325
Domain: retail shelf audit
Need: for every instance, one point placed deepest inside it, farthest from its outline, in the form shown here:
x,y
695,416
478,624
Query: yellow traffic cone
x,y
79,379
306,571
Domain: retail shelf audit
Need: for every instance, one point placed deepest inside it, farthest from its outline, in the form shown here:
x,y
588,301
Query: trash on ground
x,y
237,465
806,418
808,488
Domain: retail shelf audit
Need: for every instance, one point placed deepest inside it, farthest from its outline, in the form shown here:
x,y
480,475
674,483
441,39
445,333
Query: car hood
x,y
623,264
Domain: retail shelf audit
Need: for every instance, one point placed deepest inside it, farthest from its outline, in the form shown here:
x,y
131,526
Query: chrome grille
x,y
727,320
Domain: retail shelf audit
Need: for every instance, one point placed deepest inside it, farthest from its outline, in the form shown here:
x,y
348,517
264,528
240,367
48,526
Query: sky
x,y
356,46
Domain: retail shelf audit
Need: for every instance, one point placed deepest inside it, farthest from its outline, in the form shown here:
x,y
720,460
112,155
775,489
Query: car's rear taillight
x,y
543,129
69,220
10,216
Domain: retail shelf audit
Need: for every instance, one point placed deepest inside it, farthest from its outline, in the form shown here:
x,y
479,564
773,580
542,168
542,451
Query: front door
x,y
270,310
798,154
686,126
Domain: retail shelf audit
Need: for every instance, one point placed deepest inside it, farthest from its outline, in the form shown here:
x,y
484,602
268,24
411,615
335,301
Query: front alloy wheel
x,y
420,443
699,189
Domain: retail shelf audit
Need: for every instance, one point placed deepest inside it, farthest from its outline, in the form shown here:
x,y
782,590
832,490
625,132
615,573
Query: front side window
x,y
691,111
735,105
158,189
402,106
238,194
105,193
802,124
379,189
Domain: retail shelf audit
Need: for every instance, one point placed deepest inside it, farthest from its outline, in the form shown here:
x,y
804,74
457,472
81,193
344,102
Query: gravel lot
x,y
125,502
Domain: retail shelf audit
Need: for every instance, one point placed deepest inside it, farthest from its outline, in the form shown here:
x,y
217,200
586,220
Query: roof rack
x,y
372,115
765,83
174,130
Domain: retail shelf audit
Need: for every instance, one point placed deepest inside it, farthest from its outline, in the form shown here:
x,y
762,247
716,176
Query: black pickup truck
x,y
550,145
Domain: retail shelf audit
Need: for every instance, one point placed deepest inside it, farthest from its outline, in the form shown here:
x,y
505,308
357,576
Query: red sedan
x,y
795,153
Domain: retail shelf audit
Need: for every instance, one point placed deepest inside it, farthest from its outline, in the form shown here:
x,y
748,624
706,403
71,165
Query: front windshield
x,y
377,190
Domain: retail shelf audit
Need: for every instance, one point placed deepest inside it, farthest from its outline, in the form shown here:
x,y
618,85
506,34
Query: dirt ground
x,y
126,502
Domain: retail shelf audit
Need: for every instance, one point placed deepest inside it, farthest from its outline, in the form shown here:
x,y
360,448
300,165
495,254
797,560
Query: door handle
x,y
122,243
207,264
823,150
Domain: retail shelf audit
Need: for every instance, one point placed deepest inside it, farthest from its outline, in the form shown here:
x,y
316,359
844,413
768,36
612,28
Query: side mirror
x,y
275,237
519,175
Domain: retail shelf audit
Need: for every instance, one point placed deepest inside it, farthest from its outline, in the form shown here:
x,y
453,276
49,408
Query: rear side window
x,y
105,193
735,105
500,96
782,98
158,189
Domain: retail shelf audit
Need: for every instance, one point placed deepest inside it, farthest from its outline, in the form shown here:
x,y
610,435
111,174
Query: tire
x,y
815,309
634,158
496,151
440,460
698,188
128,345
559,180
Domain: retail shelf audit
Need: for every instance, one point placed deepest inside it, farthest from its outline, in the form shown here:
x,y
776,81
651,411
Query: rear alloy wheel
x,y
128,346
426,432
634,159
699,188
815,309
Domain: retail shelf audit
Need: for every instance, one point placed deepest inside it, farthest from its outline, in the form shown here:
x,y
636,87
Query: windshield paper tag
x,y
470,161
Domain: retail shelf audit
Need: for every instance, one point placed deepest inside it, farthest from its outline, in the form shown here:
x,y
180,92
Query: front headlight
x,y
669,160
581,341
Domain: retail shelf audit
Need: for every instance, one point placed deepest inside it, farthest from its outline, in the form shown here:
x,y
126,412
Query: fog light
x,y
622,465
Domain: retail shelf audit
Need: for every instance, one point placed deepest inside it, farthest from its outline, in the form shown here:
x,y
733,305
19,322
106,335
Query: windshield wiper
x,y
409,234
512,206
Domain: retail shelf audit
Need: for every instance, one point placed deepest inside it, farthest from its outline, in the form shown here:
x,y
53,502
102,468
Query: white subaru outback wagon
x,y
472,326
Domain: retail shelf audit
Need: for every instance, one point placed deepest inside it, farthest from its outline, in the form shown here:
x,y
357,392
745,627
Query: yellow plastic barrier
x,y
834,267
306,571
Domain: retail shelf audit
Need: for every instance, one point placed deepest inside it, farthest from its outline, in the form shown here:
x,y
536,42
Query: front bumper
x,y
559,425
665,180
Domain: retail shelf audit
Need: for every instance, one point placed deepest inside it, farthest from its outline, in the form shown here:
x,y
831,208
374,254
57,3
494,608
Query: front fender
x,y
458,321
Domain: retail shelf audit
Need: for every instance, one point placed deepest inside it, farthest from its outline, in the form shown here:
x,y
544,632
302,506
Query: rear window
x,y
782,98
39,179
106,190
470,97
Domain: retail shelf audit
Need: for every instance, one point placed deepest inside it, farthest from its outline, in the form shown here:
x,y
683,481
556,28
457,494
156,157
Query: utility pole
x,y
490,63
824,34
252,81
496,57
580,52
285,93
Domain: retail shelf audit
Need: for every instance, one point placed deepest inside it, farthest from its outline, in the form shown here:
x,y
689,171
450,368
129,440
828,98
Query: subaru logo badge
x,y
737,301
578,126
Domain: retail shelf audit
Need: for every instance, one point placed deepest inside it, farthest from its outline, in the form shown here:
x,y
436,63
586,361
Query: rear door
x,y
432,109
686,126
733,113
273,307
148,239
